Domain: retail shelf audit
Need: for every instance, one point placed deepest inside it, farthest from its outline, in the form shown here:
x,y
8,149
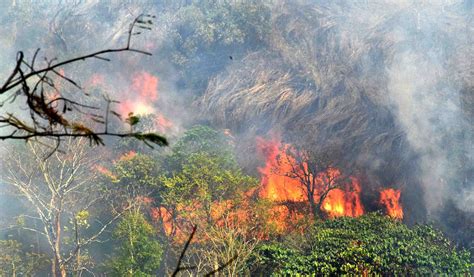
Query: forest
x,y
236,138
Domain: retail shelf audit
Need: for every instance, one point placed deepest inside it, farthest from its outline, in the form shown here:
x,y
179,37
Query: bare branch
x,y
47,120
183,252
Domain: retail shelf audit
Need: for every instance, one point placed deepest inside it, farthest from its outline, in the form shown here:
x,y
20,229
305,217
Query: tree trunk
x,y
53,266
315,209
60,267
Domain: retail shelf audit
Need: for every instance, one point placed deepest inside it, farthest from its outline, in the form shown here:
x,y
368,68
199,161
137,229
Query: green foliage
x,y
139,171
132,119
139,253
201,139
371,244
202,168
82,218
206,22
16,262
205,179
205,33
131,180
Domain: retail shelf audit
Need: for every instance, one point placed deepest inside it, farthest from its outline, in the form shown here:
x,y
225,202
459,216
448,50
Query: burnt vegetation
x,y
236,138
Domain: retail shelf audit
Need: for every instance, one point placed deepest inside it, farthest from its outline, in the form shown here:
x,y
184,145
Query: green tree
x,y
203,184
132,178
205,33
200,139
201,171
198,182
370,244
140,252
16,262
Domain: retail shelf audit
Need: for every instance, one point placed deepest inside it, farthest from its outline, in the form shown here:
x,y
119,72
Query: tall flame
x,y
288,204
277,187
345,202
390,198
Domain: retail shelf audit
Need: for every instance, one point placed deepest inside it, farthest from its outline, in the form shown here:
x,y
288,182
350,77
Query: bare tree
x,y
62,194
316,171
224,249
53,118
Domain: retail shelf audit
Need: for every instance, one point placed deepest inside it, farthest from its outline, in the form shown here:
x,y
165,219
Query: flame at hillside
x,y
127,156
144,92
278,187
275,185
140,98
288,209
390,198
145,89
345,202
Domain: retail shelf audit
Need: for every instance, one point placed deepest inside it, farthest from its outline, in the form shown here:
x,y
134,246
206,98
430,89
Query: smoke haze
x,y
390,82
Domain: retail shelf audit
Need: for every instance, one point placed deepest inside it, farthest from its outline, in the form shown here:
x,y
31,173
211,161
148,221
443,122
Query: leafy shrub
x,y
370,244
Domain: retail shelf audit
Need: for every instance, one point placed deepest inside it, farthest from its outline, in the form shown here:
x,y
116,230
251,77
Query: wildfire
x,y
144,90
106,172
275,185
279,188
138,108
288,208
390,198
127,156
140,98
344,202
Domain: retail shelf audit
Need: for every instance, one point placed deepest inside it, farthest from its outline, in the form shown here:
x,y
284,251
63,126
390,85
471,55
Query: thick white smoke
x,y
426,97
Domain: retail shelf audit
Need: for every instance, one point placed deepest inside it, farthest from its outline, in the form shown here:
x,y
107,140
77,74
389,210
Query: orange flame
x,y
127,156
144,88
279,188
390,198
140,98
285,195
275,185
344,202
104,171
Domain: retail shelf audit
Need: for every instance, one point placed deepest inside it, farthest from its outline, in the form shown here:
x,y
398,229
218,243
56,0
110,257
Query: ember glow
x,y
127,156
106,172
390,198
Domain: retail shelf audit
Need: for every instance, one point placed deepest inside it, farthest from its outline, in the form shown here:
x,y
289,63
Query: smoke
x,y
427,97
389,80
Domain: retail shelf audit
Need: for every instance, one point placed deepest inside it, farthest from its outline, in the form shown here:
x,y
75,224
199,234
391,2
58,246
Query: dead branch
x,y
47,118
